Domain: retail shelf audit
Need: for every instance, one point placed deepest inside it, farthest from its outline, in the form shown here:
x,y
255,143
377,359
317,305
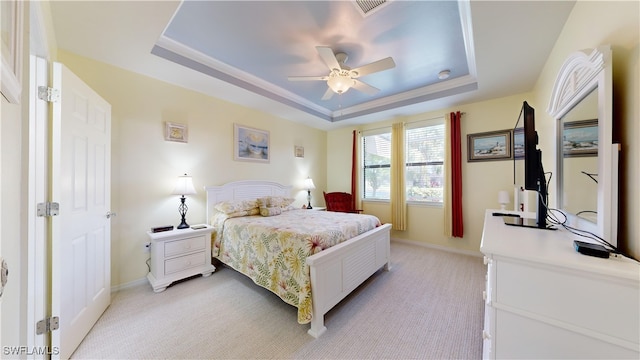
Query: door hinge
x,y
48,94
48,209
47,325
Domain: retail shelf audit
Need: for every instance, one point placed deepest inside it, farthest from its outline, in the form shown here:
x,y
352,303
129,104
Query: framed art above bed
x,y
250,144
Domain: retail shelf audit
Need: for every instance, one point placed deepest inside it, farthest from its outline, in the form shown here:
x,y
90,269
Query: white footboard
x,y
337,271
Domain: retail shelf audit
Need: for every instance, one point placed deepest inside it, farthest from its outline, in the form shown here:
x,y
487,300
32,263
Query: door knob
x,y
110,214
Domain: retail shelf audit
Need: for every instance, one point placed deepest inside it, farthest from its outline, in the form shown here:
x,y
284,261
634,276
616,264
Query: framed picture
x,y
11,69
175,132
250,144
580,138
493,145
518,143
298,151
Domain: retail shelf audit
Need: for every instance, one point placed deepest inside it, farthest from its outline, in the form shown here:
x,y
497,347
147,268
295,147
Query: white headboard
x,y
243,190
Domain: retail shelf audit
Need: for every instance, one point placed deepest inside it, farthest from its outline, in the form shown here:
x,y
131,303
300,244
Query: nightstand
x,y
178,254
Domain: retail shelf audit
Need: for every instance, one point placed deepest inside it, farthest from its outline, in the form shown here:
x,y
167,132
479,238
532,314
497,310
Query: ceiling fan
x,y
342,78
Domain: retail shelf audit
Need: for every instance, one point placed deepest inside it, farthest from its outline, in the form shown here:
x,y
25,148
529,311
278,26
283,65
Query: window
x,y
376,164
424,156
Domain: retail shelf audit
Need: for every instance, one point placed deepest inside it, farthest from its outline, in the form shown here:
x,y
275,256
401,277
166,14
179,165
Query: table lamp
x,y
184,186
308,184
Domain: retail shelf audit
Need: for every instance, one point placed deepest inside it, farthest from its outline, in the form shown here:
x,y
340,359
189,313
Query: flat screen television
x,y
534,177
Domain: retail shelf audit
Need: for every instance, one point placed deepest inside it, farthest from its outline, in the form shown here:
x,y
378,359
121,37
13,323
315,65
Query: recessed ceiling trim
x,y
235,73
461,83
411,101
207,70
464,8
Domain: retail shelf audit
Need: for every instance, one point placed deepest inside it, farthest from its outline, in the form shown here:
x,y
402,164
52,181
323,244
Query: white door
x,y
37,263
81,234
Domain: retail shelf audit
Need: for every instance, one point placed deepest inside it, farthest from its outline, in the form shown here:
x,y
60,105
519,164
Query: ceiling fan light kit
x,y
340,81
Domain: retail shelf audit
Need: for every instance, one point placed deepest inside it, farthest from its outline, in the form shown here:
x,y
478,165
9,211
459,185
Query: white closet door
x,y
81,170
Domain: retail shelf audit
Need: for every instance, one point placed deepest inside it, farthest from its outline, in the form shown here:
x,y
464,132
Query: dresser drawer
x,y
184,262
580,299
177,247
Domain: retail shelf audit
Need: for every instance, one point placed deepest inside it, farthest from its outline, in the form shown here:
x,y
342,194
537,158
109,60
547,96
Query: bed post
x,y
317,321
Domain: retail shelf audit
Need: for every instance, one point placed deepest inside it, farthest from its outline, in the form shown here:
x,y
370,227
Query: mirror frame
x,y
581,73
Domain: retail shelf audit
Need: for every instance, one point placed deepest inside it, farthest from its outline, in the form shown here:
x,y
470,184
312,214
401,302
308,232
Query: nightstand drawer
x,y
178,247
184,262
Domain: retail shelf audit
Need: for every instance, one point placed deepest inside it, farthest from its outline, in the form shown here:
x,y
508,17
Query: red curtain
x,y
456,176
354,169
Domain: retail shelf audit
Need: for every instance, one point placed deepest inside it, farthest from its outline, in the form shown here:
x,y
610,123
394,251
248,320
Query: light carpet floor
x,y
429,306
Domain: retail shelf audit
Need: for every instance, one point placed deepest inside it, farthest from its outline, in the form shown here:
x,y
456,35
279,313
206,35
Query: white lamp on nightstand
x,y
308,184
184,186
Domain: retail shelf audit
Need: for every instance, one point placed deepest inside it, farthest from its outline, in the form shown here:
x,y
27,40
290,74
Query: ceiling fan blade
x,y
307,78
328,94
364,87
328,57
374,67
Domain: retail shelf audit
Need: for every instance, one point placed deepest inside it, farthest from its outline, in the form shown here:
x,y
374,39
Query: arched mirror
x,y
587,160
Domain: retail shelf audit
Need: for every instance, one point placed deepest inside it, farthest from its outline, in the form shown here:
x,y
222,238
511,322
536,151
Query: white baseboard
x,y
131,284
439,247
143,281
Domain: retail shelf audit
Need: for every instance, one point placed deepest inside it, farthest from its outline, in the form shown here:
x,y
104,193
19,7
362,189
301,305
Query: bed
x,y
331,274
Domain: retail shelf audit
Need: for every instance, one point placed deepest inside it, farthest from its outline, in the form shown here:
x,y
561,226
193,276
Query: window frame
x,y
367,133
423,124
387,130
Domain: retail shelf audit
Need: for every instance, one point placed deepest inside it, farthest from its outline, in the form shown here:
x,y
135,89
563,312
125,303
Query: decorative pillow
x,y
270,211
254,211
275,201
229,207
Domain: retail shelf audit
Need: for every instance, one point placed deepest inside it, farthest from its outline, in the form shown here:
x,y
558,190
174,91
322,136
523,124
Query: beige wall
x,y
590,25
145,166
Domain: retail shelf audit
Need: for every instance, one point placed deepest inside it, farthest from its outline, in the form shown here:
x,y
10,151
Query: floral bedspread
x,y
272,250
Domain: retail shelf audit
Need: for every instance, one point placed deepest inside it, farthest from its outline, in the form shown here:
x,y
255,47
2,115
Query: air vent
x,y
367,7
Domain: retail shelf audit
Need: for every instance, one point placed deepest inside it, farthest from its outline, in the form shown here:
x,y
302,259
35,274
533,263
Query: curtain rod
x,y
410,122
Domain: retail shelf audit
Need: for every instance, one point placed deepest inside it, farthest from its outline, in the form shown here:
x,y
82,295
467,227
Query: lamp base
x,y
182,210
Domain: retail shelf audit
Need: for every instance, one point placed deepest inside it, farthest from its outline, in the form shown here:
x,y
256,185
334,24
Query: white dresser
x,y
545,300
178,254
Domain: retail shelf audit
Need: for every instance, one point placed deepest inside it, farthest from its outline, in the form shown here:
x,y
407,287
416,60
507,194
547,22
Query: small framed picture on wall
x,y
175,132
492,145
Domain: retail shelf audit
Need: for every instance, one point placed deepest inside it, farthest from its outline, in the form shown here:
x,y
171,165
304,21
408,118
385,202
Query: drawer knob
x,y
485,335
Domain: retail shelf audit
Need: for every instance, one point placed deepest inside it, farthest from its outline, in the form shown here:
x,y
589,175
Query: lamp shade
x,y
184,186
503,199
308,184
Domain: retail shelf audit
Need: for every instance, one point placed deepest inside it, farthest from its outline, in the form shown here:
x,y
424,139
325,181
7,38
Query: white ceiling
x,y
243,51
